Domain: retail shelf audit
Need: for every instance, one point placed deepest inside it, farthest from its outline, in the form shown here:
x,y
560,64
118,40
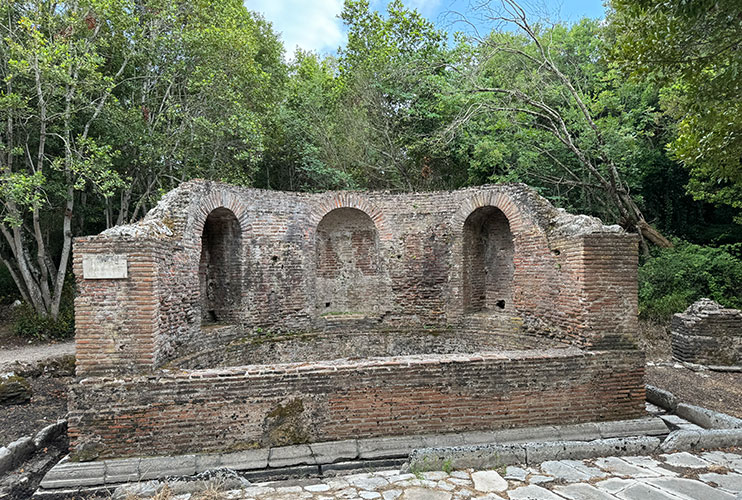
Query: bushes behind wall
x,y
673,278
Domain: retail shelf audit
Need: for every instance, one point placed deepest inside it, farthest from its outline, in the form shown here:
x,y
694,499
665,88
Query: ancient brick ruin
x,y
707,333
234,318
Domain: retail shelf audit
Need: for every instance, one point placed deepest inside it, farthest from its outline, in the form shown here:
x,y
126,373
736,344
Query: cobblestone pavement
x,y
714,475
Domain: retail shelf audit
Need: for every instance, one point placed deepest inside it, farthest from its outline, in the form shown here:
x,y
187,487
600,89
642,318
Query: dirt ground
x,y
720,391
714,390
49,391
47,405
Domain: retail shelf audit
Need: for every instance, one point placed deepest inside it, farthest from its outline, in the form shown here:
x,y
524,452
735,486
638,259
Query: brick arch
x,y
527,237
499,200
220,267
212,201
201,208
349,200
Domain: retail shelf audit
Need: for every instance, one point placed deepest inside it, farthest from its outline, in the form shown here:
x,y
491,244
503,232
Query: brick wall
x,y
401,258
214,410
350,275
116,321
222,346
487,261
409,269
220,267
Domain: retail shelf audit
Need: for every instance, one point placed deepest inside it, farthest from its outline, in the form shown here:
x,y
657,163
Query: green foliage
x,y
303,150
693,49
106,104
672,279
30,324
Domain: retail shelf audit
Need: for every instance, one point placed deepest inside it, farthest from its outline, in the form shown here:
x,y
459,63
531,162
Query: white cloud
x,y
425,7
311,25
314,25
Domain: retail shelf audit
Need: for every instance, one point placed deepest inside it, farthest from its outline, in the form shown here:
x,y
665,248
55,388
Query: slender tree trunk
x,y
66,247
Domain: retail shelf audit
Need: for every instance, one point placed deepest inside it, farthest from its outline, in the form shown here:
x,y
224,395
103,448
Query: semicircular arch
x,y
349,200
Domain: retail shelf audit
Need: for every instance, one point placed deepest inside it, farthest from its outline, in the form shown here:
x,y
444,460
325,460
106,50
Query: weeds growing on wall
x,y
673,278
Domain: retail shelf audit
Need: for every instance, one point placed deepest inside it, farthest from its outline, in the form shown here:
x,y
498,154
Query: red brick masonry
x,y
237,408
444,269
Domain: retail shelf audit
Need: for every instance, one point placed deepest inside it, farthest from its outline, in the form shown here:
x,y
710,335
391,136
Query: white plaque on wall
x,y
104,267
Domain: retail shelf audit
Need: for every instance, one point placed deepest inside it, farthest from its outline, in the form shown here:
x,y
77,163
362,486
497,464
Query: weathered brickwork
x,y
350,274
707,333
215,410
229,347
474,309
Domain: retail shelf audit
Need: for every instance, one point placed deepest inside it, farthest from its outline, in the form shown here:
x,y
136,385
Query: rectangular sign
x,y
104,267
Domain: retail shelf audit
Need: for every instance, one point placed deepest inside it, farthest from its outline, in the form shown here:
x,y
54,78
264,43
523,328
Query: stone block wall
x,y
709,334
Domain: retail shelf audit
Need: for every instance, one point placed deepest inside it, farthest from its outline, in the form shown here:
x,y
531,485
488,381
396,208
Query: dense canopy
x,y
107,104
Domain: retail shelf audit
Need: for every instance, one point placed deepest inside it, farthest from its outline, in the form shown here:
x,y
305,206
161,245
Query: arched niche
x,y
488,261
220,267
348,263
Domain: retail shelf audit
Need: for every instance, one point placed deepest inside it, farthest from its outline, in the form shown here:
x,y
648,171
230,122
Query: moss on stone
x,y
87,452
14,389
169,223
284,425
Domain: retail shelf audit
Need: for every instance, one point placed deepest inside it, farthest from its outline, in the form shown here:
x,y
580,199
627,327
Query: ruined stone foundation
x,y
238,319
707,333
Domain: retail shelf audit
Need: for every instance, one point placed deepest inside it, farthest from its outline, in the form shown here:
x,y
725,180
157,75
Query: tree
x,y
108,103
387,82
694,49
532,77
303,151
54,91
206,77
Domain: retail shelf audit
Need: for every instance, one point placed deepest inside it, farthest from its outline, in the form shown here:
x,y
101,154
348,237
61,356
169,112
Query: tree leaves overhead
x,y
107,104
693,48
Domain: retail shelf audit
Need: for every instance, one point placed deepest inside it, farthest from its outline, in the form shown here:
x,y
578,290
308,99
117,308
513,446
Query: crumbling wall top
x,y
705,308
177,209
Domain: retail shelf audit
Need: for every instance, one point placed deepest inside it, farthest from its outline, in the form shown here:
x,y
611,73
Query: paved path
x,y
679,476
33,353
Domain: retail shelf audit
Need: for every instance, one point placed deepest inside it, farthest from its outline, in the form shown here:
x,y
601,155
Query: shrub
x,y
27,323
673,278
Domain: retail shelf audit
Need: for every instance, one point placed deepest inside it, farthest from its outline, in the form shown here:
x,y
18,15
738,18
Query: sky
x,y
314,24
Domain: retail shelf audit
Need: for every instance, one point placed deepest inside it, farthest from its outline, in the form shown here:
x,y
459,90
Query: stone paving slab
x,y
689,488
730,460
730,482
685,459
582,491
620,467
694,476
639,491
480,450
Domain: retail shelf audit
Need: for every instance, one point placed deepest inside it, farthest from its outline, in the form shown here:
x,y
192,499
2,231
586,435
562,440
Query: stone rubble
x,y
715,475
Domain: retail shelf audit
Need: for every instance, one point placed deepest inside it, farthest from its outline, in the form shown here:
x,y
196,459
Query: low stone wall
x,y
708,334
180,412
